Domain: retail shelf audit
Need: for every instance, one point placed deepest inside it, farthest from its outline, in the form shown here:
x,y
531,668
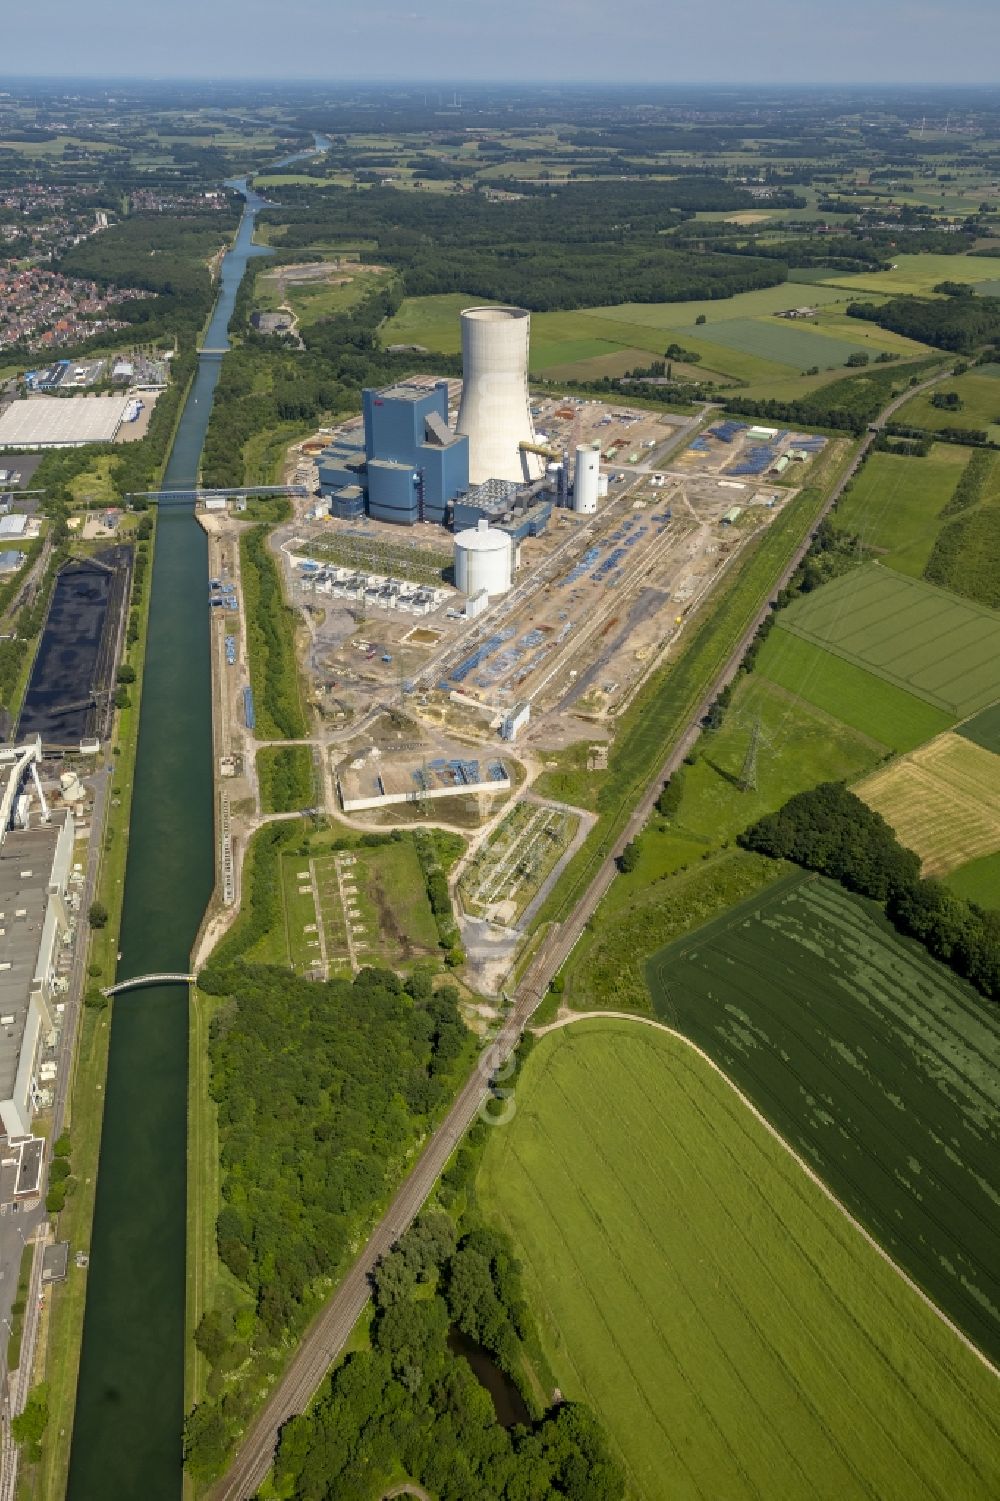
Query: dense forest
x,y
583,245
960,323
831,830
411,1406
161,253
322,1091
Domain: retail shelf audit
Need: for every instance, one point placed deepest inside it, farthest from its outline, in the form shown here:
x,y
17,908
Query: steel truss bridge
x,y
140,980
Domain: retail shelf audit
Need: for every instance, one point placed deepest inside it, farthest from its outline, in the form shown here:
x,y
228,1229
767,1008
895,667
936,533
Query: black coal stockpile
x,y
73,674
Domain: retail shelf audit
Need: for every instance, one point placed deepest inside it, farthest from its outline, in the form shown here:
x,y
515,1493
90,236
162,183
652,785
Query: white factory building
x,y
36,860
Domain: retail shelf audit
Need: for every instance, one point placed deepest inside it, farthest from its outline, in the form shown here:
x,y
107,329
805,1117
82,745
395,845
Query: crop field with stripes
x,y
736,1334
876,1064
943,801
926,640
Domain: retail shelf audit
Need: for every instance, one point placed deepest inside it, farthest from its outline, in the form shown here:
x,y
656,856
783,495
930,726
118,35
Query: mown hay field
x,y
920,638
943,800
736,1334
889,714
875,1062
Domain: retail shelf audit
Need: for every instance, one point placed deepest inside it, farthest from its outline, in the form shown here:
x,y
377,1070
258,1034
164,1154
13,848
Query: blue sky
x,y
767,41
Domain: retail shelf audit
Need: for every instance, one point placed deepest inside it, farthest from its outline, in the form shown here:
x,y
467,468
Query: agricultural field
x,y
943,801
775,339
877,1065
681,879
926,640
979,392
978,881
984,728
734,1332
798,747
894,504
886,713
741,340
918,275
508,870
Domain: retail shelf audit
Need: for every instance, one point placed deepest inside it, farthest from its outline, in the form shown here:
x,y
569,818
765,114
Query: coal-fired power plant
x,y
495,412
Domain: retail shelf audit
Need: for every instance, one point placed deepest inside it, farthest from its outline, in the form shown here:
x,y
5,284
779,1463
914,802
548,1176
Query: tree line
x,y
830,830
959,323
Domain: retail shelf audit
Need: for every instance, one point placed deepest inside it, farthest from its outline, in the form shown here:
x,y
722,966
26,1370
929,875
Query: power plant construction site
x,y
483,578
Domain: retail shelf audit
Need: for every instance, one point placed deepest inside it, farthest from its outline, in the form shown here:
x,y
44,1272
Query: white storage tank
x,y
484,559
586,479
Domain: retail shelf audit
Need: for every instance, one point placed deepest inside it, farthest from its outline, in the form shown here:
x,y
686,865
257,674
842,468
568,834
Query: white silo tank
x,y
586,479
495,411
484,559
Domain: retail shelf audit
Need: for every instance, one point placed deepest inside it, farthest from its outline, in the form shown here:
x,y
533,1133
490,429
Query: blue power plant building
x,y
411,465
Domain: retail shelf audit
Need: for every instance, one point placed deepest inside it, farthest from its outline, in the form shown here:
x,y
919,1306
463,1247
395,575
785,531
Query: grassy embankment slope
x,y
731,1328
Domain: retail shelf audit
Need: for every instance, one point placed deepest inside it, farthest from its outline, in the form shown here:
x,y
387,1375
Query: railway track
x,y
326,1336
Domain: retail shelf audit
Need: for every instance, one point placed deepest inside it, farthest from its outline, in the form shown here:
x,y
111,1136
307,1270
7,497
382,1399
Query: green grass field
x,y
984,728
916,274
979,391
799,747
741,339
874,1061
894,504
392,922
888,714
978,881
775,339
733,1331
919,638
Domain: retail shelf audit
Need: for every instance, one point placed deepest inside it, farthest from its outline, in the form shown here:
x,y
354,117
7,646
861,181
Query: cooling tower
x,y
494,411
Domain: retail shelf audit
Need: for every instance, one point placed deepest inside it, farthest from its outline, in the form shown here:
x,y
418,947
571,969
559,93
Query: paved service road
x,y
326,1336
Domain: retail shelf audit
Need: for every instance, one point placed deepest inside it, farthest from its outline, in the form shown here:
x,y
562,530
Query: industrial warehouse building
x,y
61,421
36,854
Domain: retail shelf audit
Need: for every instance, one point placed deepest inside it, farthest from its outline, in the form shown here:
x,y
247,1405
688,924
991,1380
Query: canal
x,y
130,1398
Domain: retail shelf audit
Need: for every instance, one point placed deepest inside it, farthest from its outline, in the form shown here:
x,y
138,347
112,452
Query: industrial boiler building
x,y
411,464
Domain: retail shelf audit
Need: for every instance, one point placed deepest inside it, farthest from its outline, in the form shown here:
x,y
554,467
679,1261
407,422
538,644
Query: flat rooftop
x,y
26,858
61,421
404,390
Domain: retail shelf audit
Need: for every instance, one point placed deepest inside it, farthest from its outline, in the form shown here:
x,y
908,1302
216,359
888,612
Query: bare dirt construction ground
x,y
943,800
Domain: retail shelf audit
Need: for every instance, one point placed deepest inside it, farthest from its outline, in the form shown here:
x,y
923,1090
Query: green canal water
x,y
130,1399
